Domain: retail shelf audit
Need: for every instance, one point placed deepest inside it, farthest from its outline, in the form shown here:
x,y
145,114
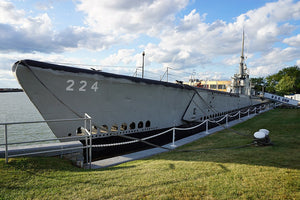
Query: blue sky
x,y
196,36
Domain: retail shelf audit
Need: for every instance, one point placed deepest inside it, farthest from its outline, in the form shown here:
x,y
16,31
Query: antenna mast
x,y
242,73
143,65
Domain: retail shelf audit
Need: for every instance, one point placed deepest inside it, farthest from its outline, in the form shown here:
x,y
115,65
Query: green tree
x,y
286,85
286,81
258,84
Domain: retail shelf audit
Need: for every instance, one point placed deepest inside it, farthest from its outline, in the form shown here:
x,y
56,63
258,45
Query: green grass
x,y
271,172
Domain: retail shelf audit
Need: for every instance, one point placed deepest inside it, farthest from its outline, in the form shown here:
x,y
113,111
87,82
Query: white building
x,y
293,96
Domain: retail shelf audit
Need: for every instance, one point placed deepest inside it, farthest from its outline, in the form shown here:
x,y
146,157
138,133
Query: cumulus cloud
x,y
130,16
125,56
181,42
23,33
274,60
196,43
293,41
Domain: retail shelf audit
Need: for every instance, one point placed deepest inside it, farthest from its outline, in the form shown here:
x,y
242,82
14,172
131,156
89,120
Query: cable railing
x,y
206,122
87,137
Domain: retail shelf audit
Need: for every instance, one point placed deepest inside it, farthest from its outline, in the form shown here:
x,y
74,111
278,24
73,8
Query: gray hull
x,y
117,104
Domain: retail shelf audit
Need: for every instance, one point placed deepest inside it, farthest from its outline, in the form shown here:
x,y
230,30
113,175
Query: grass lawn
x,y
271,172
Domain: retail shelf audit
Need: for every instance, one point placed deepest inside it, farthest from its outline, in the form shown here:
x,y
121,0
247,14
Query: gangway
x,y
285,100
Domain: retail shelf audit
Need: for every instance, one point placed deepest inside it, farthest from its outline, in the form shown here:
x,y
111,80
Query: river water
x,y
16,107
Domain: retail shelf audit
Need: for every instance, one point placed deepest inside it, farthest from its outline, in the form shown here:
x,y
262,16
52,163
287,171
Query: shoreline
x,y
3,90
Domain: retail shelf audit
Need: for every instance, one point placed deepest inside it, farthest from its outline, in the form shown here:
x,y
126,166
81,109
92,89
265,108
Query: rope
x,y
215,111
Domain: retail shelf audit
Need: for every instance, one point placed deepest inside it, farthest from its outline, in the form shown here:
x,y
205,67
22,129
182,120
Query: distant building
x,y
293,96
239,84
223,86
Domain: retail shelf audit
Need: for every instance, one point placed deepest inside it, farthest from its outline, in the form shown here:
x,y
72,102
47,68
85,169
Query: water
x,y
16,107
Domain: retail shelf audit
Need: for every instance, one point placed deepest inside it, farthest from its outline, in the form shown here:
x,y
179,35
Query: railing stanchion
x,y
226,120
90,142
173,138
206,124
239,115
6,147
60,149
86,140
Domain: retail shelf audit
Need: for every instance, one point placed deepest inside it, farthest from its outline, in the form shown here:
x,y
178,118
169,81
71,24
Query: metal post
x,y
143,65
226,120
173,139
86,149
86,142
239,115
90,149
248,112
207,127
167,74
85,117
5,140
259,109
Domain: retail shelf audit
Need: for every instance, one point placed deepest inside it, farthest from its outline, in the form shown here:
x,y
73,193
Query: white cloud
x,y
293,41
186,42
264,25
125,56
130,16
274,60
9,15
21,32
195,43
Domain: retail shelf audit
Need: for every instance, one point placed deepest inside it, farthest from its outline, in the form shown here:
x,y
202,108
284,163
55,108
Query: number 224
x,y
82,86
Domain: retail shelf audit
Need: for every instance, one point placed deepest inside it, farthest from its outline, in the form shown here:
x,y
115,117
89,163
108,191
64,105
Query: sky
x,y
190,38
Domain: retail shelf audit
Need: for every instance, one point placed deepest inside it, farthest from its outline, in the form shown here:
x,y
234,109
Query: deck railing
x,y
246,113
87,137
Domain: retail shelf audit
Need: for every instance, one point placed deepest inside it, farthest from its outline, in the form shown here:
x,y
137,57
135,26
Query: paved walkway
x,y
150,152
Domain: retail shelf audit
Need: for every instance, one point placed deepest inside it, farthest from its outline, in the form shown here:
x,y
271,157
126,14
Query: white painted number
x,y
95,86
82,86
70,86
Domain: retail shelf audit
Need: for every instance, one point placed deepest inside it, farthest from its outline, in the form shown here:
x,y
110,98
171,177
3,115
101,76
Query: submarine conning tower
x,y
240,83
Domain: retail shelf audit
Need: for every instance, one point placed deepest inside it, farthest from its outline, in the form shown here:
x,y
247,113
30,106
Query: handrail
x,y
182,129
88,136
42,121
71,138
45,140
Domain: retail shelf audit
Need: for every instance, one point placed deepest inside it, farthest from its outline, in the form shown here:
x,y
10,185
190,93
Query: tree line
x,y
286,81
